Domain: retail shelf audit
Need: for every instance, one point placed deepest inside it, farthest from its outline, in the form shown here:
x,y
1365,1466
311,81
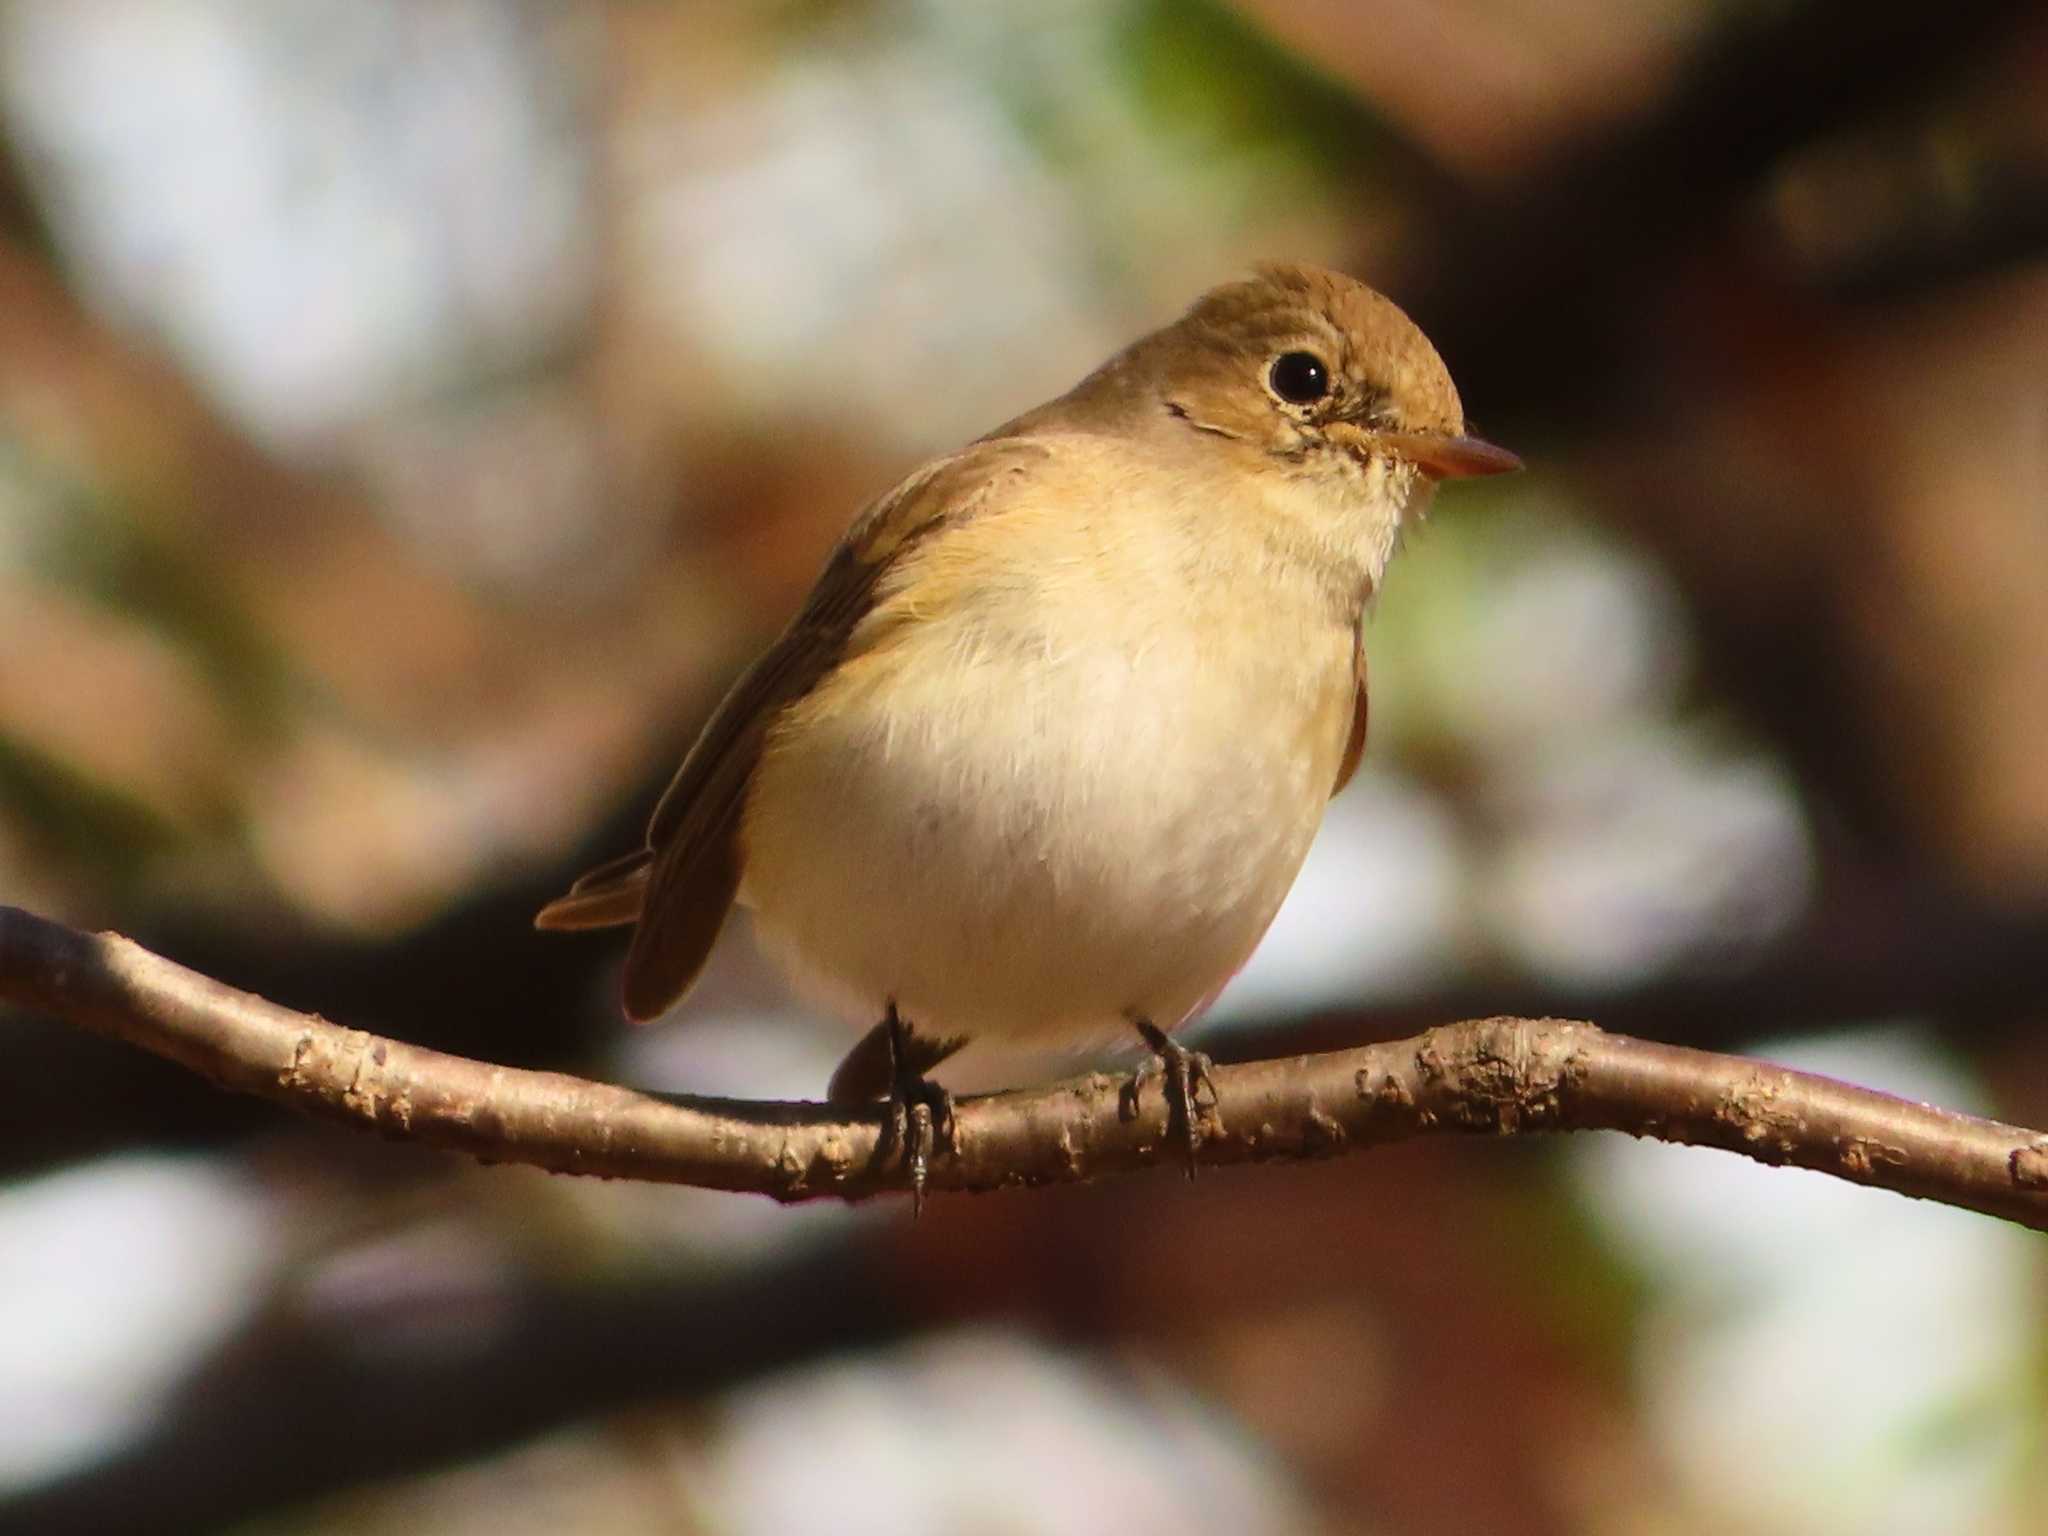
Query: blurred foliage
x,y
123,558
1224,84
71,816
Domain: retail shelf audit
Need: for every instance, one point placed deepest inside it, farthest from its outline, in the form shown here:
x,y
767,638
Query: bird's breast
x,y
1037,799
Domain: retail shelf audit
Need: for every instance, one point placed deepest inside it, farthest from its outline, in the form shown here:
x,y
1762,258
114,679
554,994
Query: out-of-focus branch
x,y
1502,1076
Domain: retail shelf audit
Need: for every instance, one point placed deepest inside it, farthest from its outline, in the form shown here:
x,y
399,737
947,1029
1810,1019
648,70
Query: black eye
x,y
1299,378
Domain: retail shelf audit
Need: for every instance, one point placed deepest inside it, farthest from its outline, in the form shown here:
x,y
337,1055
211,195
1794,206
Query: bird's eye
x,y
1299,378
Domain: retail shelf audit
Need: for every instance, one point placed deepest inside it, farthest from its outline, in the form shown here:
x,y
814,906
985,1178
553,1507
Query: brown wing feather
x,y
681,886
695,871
1354,747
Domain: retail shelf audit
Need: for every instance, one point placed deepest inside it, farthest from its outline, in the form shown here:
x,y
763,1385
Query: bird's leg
x,y
891,1061
920,1111
1182,1074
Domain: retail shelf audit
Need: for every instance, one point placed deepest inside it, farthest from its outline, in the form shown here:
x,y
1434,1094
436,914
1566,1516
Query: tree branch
x,y
1494,1076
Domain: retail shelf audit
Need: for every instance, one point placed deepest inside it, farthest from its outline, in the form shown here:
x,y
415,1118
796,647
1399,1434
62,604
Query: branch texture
x,y
1501,1076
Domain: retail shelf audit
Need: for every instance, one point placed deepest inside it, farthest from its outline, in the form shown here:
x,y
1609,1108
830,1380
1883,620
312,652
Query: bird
x,y
1044,749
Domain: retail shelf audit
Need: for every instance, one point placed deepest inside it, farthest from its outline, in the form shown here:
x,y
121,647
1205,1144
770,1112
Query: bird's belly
x,y
1039,853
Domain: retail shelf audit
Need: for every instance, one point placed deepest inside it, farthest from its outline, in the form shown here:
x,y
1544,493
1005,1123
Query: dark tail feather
x,y
609,895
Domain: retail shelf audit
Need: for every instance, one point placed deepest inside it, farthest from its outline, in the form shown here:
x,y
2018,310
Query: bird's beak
x,y
1448,458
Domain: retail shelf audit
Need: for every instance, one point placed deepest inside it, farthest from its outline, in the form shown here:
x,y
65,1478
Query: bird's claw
x,y
920,1119
1183,1074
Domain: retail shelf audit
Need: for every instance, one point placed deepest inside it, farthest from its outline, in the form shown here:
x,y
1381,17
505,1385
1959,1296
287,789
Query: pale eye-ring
x,y
1299,378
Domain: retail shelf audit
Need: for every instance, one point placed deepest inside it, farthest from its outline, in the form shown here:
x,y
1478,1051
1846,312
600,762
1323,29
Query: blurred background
x,y
413,412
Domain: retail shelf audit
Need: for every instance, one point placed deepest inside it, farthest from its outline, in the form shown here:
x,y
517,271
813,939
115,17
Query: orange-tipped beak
x,y
1449,458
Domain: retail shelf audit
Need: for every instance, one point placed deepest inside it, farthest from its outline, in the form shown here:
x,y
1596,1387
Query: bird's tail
x,y
609,895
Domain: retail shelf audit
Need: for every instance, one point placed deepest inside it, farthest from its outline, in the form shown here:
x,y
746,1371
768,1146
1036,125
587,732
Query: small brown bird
x,y
1047,744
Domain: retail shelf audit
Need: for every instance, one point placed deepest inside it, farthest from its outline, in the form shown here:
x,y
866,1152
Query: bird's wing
x,y
692,842
682,884
1354,746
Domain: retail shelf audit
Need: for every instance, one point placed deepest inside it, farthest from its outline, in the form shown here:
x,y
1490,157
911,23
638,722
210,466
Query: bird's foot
x,y
920,1121
1183,1074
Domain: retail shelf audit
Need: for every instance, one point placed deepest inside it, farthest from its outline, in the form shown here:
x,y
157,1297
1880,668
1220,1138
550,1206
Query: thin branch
x,y
1492,1076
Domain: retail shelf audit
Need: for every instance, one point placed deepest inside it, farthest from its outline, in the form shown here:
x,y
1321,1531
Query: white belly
x,y
1008,840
